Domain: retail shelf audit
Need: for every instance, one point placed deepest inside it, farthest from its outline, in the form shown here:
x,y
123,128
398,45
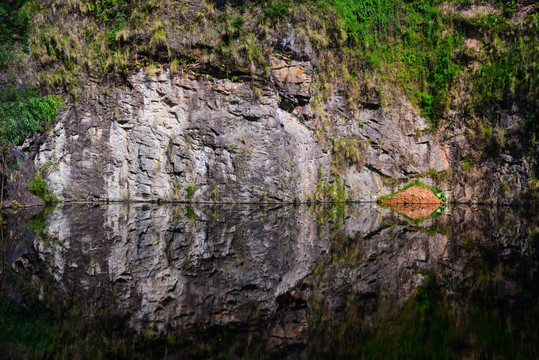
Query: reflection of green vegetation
x,y
190,214
345,251
191,189
421,330
366,325
39,221
37,224
438,212
426,327
33,334
330,214
24,332
430,325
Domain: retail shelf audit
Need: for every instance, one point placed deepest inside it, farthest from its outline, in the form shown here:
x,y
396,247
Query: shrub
x,y
23,113
14,28
277,10
427,104
347,152
39,187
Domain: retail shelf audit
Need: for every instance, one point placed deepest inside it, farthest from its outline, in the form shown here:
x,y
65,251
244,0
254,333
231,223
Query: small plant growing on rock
x,y
191,189
176,186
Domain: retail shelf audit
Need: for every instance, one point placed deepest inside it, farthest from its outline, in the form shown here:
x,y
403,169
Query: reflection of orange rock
x,y
415,211
413,195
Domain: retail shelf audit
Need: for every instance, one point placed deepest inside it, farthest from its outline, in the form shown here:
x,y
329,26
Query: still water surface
x,y
257,281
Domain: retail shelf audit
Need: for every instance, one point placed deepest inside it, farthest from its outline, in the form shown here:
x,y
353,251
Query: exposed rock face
x,y
293,80
21,173
170,134
502,176
183,137
226,141
270,132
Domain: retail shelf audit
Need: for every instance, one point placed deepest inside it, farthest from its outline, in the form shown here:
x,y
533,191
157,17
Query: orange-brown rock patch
x,y
412,195
415,211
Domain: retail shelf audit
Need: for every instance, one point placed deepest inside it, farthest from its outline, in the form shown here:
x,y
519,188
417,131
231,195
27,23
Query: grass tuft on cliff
x,y
427,50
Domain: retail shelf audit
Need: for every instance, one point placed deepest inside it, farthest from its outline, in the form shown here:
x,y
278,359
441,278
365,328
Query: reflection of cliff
x,y
210,267
294,276
462,284
175,267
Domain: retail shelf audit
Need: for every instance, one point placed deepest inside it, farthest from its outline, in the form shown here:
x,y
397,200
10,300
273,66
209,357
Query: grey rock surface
x,y
224,141
192,137
20,174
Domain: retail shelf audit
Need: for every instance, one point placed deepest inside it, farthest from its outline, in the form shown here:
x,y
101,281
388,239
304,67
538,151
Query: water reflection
x,y
417,213
142,280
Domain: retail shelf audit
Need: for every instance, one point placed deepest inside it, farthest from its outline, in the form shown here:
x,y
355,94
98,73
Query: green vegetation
x,y
510,70
277,10
475,64
23,113
440,58
331,189
357,42
347,152
191,189
408,44
39,187
417,48
14,28
176,187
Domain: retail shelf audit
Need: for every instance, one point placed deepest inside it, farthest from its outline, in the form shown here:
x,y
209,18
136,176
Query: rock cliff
x,y
197,107
166,134
183,137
